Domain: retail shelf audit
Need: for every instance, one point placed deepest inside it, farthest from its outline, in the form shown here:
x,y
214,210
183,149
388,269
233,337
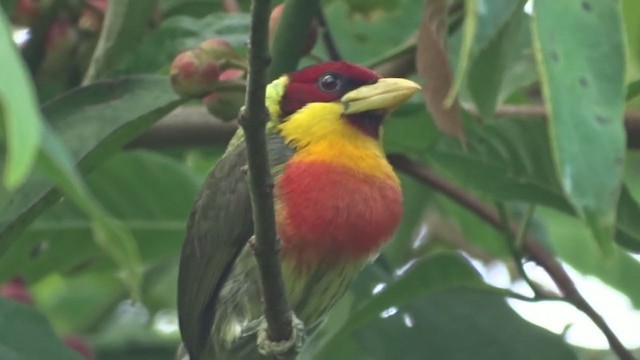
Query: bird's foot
x,y
293,345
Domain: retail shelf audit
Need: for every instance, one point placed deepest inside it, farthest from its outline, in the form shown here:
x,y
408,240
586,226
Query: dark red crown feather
x,y
303,84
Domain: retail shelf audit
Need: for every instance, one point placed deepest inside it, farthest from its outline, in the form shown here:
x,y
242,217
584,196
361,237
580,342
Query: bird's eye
x,y
329,82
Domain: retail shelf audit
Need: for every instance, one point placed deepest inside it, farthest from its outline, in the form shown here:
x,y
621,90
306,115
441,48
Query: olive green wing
x,y
219,226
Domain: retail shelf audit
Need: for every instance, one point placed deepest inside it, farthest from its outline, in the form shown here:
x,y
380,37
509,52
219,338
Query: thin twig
x,y
513,241
191,125
532,247
327,37
253,122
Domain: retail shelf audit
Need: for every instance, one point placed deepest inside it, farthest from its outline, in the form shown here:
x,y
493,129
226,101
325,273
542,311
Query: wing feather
x,y
219,227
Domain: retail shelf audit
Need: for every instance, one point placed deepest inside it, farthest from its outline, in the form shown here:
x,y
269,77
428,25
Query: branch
x,y
291,36
327,37
253,122
537,252
187,125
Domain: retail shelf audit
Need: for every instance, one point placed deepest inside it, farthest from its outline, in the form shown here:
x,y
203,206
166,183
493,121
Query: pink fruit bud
x,y
193,73
218,49
231,74
16,289
80,345
224,105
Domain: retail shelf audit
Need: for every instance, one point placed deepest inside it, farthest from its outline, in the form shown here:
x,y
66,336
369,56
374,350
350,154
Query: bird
x,y
337,201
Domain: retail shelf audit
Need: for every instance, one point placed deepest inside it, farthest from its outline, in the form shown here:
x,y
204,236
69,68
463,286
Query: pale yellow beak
x,y
386,94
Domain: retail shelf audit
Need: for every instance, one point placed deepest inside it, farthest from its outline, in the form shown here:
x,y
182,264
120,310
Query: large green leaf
x,y
507,160
483,21
456,325
149,193
489,68
26,335
510,161
584,93
431,307
124,27
410,130
109,233
630,10
93,122
628,227
364,38
79,304
18,112
180,33
432,274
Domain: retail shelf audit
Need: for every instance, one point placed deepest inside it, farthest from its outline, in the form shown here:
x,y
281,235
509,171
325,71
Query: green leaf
x,y
469,29
111,235
415,199
430,275
192,8
410,130
151,194
26,335
633,90
80,303
18,112
421,314
510,161
180,33
489,67
584,94
458,324
94,122
362,39
506,160
628,227
124,26
483,21
8,5
630,8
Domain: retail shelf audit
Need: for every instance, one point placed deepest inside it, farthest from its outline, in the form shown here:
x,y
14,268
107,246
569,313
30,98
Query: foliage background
x,y
129,155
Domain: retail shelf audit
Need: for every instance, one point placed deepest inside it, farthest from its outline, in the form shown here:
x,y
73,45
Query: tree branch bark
x,y
537,252
253,122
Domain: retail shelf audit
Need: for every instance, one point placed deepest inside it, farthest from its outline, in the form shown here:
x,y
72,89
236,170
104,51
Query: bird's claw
x,y
294,344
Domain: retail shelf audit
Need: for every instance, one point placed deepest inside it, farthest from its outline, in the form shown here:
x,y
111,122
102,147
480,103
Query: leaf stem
x,y
513,240
327,37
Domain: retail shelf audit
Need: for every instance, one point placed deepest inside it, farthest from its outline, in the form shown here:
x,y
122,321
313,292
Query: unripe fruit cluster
x,y
203,71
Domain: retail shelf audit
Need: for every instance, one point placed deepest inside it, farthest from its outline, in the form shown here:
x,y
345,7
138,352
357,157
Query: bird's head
x,y
334,98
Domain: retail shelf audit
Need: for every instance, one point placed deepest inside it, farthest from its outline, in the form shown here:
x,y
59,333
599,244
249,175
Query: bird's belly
x,y
327,211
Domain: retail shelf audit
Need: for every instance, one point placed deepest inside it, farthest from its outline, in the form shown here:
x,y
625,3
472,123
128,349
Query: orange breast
x,y
331,211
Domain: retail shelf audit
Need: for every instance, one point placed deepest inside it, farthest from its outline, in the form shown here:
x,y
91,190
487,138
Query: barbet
x,y
337,201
